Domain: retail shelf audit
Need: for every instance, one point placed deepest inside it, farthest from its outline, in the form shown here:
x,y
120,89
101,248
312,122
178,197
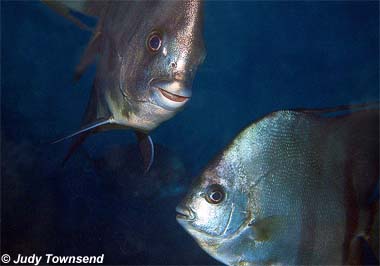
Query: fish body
x,y
291,189
147,55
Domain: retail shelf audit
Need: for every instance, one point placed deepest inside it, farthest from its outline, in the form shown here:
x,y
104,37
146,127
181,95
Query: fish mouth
x,y
170,94
173,97
184,214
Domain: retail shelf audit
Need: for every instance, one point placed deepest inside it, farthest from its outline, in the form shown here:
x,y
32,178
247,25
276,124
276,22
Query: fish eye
x,y
154,41
215,194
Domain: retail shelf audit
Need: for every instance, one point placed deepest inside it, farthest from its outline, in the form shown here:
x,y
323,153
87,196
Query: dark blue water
x,y
261,57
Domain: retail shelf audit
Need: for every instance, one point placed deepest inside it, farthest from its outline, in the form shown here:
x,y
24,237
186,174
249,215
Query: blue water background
x,y
261,57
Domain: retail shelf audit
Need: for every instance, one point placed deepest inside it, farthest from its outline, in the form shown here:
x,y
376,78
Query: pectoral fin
x,y
264,229
146,148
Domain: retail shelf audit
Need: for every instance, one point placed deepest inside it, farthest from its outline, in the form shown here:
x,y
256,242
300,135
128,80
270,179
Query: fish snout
x,y
185,213
184,76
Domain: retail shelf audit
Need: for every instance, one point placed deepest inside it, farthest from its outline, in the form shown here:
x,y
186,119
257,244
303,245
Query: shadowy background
x,y
261,57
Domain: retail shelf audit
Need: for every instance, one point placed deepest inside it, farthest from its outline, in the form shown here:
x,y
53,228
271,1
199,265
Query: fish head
x,y
161,59
214,210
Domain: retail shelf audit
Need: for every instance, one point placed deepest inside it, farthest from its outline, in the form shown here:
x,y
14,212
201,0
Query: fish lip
x,y
173,97
185,214
176,87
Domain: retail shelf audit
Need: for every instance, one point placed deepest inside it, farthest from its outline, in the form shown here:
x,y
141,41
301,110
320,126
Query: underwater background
x,y
261,57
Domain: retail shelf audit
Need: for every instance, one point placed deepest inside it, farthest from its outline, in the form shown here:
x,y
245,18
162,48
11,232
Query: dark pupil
x,y
154,42
216,196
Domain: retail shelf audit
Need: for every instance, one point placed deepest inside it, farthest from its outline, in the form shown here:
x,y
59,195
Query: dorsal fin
x,y
71,10
88,56
77,5
64,8
340,108
92,8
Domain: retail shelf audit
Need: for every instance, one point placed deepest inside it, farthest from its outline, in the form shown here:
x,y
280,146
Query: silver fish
x,y
148,53
291,189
